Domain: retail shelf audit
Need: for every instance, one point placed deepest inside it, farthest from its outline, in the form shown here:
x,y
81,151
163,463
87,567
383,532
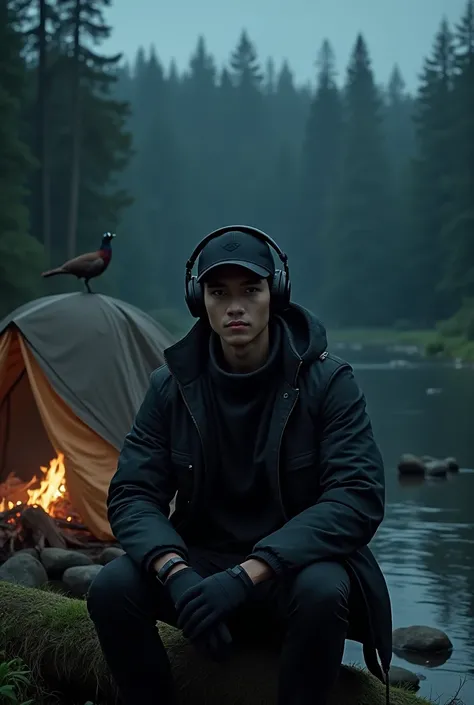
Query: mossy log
x,y
55,637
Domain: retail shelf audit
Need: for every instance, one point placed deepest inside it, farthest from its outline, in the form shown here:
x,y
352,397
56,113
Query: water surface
x,y
425,545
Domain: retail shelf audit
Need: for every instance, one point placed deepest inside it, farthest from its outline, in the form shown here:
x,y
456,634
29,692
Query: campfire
x,y
38,513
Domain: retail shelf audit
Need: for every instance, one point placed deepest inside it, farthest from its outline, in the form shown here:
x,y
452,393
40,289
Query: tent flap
x,y
98,354
5,342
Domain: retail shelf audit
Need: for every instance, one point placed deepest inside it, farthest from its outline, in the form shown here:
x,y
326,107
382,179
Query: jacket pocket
x,y
183,467
300,479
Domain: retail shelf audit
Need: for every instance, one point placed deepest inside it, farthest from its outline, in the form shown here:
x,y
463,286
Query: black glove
x,y
217,640
207,602
180,581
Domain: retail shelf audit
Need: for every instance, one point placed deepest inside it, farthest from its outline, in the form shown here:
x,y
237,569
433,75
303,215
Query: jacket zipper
x,y
280,497
191,414
197,429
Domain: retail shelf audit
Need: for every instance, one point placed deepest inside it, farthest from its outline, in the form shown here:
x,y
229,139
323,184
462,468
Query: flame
x,y
52,486
49,494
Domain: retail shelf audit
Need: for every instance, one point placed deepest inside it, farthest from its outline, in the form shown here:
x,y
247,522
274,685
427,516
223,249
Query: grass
x,y
15,681
382,336
55,638
452,347
433,343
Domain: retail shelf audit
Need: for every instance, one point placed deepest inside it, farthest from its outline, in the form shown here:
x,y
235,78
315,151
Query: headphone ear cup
x,y
194,298
287,294
280,294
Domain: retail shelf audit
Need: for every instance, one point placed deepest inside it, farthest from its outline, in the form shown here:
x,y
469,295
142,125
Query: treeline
x,y
369,189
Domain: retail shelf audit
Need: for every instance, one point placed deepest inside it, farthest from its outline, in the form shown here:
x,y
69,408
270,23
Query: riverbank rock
x,y
23,569
403,678
410,464
436,468
453,464
55,637
421,639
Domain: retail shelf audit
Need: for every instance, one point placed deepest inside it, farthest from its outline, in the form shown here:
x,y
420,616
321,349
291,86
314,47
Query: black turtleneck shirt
x,y
241,507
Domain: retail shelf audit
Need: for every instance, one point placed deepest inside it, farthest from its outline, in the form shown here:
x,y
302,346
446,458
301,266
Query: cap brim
x,y
255,268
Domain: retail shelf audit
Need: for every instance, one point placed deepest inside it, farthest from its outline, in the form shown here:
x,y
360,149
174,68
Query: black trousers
x,y
310,611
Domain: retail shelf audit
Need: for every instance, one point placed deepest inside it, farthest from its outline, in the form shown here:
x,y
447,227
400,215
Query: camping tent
x,y
74,369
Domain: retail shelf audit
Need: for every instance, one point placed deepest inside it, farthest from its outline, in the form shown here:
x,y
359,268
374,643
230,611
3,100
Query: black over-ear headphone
x,y
280,291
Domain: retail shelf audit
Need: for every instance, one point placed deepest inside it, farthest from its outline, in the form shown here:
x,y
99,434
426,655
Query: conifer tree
x,y
458,234
21,256
360,271
433,176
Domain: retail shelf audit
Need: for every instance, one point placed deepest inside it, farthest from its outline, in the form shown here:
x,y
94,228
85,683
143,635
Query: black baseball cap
x,y
238,248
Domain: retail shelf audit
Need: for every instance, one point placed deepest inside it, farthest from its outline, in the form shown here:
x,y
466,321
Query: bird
x,y
88,265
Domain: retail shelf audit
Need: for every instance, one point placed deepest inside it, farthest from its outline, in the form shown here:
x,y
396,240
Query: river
x,y
425,545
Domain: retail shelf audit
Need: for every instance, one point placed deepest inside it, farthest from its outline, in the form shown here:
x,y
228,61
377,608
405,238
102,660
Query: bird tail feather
x,y
53,272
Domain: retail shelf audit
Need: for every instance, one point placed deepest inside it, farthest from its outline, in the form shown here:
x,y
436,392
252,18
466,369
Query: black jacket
x,y
326,468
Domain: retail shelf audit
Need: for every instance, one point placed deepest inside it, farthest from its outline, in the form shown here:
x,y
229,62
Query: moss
x,y
451,347
55,637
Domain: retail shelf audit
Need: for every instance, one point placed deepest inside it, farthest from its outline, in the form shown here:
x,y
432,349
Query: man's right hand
x,y
217,641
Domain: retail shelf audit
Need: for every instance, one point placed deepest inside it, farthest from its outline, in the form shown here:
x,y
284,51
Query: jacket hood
x,y
304,341
305,332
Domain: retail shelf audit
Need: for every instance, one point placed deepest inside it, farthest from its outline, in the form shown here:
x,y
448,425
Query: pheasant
x,y
88,265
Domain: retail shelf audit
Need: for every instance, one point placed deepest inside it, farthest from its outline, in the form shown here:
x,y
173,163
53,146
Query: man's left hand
x,y
208,602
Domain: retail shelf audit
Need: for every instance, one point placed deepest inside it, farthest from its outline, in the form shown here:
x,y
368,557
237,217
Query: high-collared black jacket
x,y
326,468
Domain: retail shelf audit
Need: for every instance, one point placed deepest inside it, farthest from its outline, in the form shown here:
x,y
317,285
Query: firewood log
x,y
37,529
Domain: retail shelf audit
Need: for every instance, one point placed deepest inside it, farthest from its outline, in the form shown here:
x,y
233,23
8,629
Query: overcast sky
x,y
399,31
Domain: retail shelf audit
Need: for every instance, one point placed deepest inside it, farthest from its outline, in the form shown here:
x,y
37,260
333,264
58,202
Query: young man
x,y
280,487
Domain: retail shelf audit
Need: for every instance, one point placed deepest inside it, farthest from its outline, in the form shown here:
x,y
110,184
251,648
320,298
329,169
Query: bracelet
x,y
239,572
166,568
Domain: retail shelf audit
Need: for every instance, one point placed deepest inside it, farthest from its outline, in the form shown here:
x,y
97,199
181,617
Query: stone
x,y
23,569
403,678
410,464
29,551
436,468
57,560
452,463
110,553
421,639
78,579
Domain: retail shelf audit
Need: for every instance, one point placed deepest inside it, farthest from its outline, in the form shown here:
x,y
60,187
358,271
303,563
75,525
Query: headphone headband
x,y
248,230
